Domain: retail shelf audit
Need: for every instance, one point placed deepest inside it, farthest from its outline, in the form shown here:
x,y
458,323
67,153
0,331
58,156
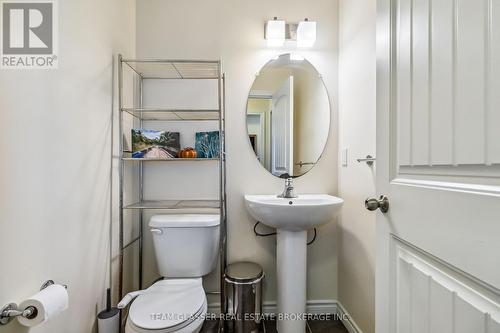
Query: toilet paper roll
x,y
49,302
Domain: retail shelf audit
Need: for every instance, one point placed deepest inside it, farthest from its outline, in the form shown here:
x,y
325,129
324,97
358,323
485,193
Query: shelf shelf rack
x,y
181,70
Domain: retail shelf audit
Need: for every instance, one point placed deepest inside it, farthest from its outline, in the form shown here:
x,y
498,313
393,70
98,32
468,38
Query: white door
x,y
282,130
438,162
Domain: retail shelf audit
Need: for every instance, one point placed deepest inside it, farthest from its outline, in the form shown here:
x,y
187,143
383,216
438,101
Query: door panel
x,y
435,298
447,70
282,130
437,160
441,128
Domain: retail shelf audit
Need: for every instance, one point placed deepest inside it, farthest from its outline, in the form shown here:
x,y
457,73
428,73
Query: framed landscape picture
x,y
155,144
207,144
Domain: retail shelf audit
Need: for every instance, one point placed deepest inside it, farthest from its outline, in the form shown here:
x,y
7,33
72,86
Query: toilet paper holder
x,y
11,310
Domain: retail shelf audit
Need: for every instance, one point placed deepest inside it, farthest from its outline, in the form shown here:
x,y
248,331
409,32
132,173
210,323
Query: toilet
x,y
186,248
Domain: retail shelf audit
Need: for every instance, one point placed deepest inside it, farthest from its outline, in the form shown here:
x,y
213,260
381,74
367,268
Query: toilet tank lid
x,y
184,220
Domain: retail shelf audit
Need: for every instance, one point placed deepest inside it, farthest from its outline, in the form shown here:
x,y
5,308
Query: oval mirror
x,y
288,116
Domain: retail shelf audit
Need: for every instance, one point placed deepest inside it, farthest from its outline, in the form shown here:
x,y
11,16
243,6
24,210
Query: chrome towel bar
x,y
301,164
369,160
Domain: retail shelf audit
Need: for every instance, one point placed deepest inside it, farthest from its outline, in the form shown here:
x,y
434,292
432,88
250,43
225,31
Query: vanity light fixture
x,y
306,33
275,32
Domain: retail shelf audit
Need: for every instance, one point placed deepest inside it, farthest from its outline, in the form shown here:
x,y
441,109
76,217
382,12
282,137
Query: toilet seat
x,y
169,305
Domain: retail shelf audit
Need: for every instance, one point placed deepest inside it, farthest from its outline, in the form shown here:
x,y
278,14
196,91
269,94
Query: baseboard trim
x,y
213,308
323,306
347,320
326,306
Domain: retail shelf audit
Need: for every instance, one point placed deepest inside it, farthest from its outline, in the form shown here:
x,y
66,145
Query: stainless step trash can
x,y
243,283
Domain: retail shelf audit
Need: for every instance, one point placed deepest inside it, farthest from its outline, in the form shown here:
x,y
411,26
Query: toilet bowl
x,y
186,248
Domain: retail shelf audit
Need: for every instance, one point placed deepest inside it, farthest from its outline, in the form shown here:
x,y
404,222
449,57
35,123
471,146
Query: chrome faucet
x,y
288,190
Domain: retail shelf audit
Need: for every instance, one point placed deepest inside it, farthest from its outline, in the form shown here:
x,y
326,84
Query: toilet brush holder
x,y
108,320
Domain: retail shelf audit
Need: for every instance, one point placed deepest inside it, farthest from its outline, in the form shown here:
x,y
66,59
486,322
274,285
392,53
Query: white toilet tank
x,y
186,245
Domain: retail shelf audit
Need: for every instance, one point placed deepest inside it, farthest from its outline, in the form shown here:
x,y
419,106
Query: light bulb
x,y
306,33
275,33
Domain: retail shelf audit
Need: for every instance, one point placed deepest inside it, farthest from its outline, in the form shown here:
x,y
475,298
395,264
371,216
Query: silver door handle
x,y
373,204
369,160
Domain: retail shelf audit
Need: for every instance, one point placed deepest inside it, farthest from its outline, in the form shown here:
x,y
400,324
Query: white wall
x,y
54,170
311,111
357,65
233,31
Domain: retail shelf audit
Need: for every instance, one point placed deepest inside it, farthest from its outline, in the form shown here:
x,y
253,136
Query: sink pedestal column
x,y
291,278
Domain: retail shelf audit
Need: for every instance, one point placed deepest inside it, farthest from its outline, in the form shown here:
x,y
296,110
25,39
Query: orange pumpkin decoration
x,y
188,153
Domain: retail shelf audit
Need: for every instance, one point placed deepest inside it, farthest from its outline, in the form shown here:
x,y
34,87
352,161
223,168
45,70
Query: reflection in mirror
x,y
288,116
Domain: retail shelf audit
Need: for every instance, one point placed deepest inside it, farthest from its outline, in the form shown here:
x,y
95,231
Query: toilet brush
x,y
108,320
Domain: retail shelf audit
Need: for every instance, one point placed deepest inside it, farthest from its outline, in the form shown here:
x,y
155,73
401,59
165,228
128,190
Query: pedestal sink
x,y
292,218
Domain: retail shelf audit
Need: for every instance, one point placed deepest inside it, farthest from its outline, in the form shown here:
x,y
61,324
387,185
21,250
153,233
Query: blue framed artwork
x,y
207,144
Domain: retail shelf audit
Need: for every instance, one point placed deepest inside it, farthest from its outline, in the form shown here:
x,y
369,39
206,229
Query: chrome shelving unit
x,y
182,70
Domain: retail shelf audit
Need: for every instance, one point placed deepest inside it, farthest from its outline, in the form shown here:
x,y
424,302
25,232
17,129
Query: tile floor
x,y
316,326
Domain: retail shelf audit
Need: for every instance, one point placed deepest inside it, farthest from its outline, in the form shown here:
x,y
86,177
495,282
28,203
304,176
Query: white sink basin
x,y
296,214
292,218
